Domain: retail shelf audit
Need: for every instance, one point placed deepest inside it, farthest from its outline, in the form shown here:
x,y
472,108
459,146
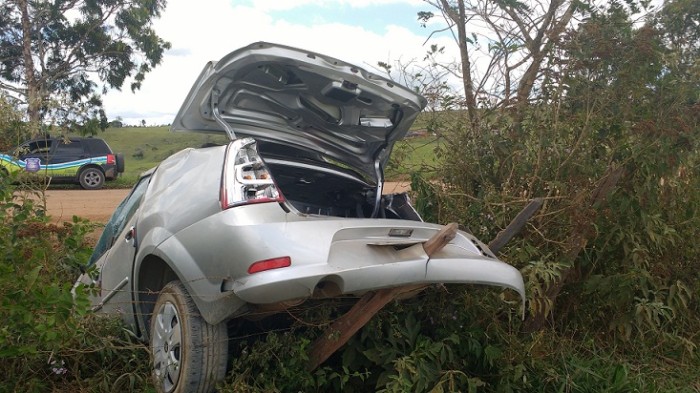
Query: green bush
x,y
49,340
13,130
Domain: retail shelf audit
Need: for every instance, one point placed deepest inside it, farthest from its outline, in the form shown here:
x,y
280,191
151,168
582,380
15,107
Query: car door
x,y
115,266
34,156
39,148
67,151
65,158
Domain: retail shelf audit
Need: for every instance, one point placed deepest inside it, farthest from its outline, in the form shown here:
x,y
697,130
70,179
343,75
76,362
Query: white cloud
x,y
267,5
209,29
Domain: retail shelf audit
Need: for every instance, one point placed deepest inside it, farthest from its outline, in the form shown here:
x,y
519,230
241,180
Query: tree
x,y
61,50
118,122
606,134
519,36
680,23
12,129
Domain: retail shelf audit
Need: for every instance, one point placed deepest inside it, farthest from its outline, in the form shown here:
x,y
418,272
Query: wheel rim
x,y
92,179
167,344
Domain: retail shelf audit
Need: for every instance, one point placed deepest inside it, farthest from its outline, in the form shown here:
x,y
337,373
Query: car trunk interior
x,y
323,191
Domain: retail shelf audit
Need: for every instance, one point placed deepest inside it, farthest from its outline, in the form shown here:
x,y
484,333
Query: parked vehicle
x,y
86,161
291,209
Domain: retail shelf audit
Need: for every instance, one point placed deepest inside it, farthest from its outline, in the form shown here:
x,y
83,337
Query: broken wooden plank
x,y
369,305
515,226
440,239
347,325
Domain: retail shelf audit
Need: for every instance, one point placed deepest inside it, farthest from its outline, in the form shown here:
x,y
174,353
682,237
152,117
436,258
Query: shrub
x,y
49,339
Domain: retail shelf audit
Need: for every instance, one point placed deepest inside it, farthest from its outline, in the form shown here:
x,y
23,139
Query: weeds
x,y
49,340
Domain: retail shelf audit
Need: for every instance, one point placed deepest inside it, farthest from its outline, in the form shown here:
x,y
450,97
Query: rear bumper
x,y
388,268
352,256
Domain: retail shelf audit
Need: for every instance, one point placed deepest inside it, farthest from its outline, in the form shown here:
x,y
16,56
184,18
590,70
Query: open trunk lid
x,y
300,101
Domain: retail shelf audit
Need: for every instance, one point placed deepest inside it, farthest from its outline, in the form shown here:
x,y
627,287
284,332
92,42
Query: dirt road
x,y
98,205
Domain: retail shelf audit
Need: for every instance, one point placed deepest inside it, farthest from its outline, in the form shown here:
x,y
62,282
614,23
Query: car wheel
x,y
91,178
120,162
189,354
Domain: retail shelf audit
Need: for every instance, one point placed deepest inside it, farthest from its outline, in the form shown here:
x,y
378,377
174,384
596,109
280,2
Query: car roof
x,y
69,137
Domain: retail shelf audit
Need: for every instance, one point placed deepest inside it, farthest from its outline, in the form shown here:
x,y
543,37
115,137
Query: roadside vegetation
x,y
607,133
49,340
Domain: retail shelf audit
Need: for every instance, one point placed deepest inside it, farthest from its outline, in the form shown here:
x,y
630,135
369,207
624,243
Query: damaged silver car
x,y
291,209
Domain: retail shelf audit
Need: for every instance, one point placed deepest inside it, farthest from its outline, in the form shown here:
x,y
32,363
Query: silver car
x,y
291,209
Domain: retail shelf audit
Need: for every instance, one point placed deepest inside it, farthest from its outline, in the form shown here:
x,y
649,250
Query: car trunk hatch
x,y
302,104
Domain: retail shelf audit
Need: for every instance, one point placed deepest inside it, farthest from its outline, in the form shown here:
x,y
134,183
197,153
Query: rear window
x,y
97,147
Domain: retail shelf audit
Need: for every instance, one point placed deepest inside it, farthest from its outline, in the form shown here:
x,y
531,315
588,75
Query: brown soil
x,y
98,205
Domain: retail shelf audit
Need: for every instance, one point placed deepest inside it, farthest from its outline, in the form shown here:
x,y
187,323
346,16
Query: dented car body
x,y
291,209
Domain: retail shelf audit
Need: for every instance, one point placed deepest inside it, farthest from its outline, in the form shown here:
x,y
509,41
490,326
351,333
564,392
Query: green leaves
x,y
424,17
49,340
56,65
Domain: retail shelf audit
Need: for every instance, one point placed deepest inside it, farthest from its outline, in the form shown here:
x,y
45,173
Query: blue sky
x,y
362,32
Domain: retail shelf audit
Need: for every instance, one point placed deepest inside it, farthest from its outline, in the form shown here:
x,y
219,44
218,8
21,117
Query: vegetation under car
x,y
281,230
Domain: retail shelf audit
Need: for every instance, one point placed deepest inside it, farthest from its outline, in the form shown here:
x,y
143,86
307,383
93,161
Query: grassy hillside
x,y
416,154
145,147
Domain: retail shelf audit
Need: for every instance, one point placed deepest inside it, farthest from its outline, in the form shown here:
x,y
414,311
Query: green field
x,y
412,155
145,147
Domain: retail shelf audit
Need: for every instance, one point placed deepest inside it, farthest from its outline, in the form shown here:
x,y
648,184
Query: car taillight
x,y
111,159
246,178
269,264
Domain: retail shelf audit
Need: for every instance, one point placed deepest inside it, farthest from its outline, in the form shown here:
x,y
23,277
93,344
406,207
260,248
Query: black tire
x,y
119,158
189,354
91,178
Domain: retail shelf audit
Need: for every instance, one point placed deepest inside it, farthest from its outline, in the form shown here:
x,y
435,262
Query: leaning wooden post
x,y
515,226
369,305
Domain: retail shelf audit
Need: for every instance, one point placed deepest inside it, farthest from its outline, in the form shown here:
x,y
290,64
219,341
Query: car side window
x,y
121,216
38,147
67,151
72,147
34,148
127,208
